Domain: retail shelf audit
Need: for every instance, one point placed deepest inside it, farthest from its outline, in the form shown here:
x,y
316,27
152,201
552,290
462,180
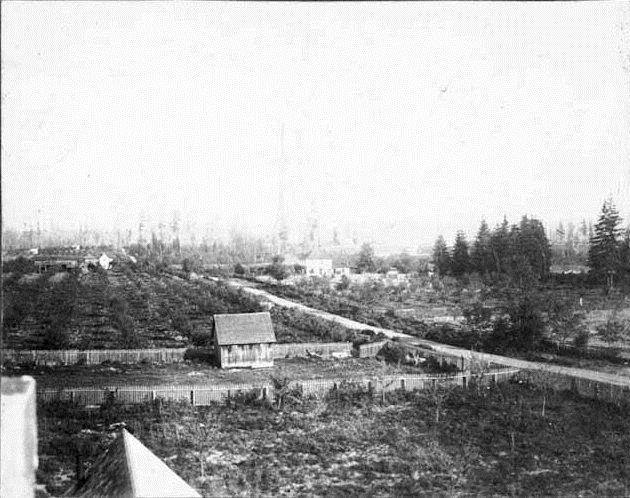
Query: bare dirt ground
x,y
160,311
203,374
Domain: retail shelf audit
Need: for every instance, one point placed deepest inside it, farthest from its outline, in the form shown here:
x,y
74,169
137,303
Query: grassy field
x,y
495,440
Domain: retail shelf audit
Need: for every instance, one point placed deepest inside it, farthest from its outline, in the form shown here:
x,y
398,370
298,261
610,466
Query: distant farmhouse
x,y
69,261
244,340
342,271
105,261
91,260
313,267
61,262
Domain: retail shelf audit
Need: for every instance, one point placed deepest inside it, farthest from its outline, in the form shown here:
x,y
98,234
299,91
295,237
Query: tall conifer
x,y
605,244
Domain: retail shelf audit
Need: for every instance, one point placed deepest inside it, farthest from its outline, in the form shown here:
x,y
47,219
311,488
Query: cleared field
x,y
201,373
128,308
494,441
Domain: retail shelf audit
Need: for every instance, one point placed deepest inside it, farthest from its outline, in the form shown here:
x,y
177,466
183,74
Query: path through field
x,y
589,375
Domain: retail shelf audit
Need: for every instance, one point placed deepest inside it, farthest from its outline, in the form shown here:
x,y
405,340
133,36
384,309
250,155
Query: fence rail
x,y
200,395
165,355
371,349
54,357
594,384
93,356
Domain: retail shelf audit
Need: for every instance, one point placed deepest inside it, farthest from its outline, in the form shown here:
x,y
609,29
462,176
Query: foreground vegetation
x,y
516,439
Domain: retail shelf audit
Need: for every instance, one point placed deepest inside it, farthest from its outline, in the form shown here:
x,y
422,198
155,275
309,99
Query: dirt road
x,y
589,375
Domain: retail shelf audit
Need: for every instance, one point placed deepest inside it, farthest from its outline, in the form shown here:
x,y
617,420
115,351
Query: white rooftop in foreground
x,y
18,437
130,469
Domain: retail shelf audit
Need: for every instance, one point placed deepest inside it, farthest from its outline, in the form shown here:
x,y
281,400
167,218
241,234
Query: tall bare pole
x,y
281,222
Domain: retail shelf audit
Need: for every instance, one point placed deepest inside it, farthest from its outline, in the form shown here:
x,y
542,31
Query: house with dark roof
x,y
244,340
129,469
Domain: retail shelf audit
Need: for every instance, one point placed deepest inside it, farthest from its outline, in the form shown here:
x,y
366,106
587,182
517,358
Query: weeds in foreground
x,y
491,440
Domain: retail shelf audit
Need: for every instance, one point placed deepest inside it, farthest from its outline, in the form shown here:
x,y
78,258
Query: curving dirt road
x,y
589,375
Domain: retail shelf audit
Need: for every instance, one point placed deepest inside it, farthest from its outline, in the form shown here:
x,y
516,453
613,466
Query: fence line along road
x,y
578,373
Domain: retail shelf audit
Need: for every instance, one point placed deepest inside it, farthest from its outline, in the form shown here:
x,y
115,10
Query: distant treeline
x,y
521,251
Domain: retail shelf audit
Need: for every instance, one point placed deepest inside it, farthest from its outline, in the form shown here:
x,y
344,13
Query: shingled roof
x,y
244,328
129,469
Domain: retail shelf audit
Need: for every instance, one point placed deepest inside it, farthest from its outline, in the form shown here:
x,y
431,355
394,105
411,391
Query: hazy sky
x,y
407,119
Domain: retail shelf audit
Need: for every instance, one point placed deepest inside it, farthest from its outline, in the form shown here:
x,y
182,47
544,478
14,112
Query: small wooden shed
x,y
244,340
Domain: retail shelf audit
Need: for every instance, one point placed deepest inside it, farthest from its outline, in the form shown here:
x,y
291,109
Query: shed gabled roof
x,y
130,469
244,328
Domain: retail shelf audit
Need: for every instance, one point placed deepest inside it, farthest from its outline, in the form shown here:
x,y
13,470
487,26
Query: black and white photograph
x,y
317,248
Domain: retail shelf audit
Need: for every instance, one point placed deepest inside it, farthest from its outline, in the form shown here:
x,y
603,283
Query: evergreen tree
x,y
533,246
624,256
366,259
570,240
560,233
605,244
441,257
500,246
481,252
460,263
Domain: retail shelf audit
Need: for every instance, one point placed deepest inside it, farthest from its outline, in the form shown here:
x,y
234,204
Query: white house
x,y
105,261
340,271
318,267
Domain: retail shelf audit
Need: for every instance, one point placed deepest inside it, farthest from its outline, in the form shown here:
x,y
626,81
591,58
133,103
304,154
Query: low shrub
x,y
393,353
201,339
349,393
202,354
248,399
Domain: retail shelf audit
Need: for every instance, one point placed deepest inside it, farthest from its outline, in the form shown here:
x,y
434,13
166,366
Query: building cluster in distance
x,y
67,258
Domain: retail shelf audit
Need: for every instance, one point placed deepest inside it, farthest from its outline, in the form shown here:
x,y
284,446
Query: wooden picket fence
x,y
92,356
589,388
200,395
165,355
371,349
597,385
